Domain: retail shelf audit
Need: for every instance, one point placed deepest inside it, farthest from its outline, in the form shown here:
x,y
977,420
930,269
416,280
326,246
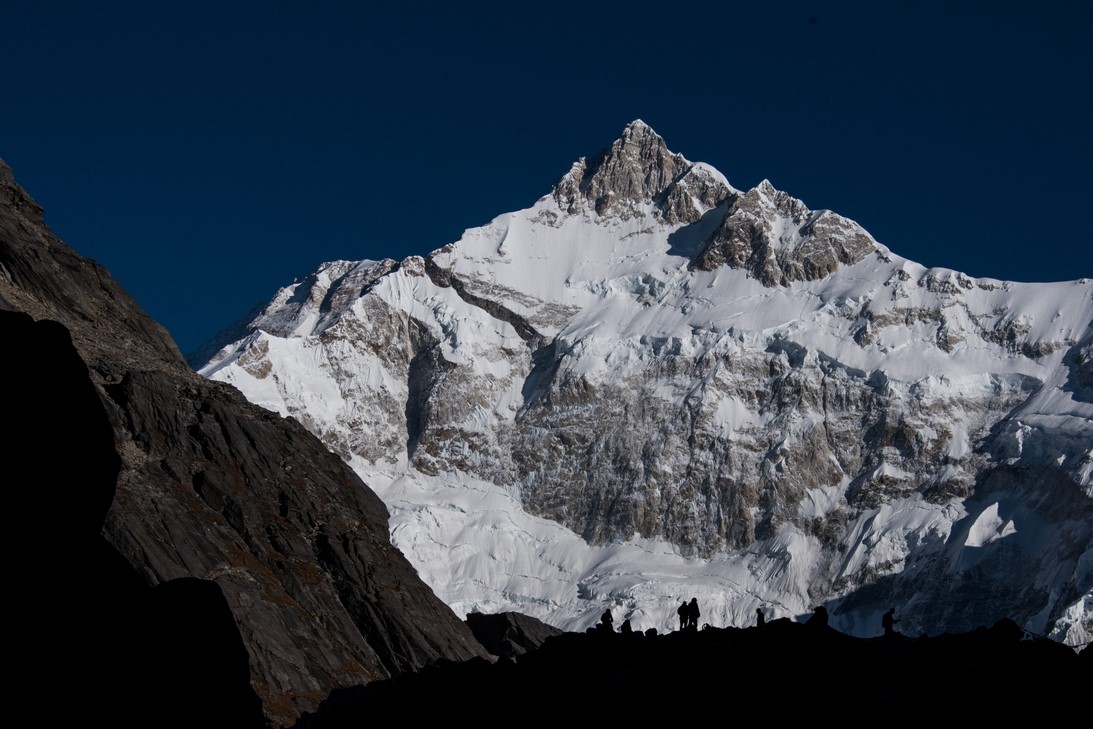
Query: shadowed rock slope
x,y
509,634
214,488
88,624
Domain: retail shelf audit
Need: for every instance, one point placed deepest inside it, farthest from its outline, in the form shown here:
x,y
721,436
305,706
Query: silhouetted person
x,y
607,622
819,617
760,618
683,612
626,627
693,613
889,622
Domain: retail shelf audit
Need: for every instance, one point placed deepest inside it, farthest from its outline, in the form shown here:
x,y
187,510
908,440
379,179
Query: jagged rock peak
x,y
778,240
18,197
638,169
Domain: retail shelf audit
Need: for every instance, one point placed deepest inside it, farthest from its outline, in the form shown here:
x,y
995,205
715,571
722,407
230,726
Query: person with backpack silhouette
x,y
888,622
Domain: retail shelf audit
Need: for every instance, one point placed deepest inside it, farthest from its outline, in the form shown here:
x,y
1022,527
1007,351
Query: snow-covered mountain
x,y
650,385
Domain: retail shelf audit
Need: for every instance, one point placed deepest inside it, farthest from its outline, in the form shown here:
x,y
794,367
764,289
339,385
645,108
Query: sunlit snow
x,y
613,295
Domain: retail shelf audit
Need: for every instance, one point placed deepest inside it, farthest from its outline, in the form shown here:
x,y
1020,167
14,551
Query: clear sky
x,y
209,153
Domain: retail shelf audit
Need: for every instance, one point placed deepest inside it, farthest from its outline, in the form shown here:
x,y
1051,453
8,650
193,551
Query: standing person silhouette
x,y
889,622
693,613
760,618
683,612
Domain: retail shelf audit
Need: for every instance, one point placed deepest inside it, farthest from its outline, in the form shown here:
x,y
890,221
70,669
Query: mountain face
x,y
650,384
212,489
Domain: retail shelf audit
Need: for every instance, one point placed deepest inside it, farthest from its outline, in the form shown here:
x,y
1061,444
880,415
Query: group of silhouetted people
x,y
607,625
688,614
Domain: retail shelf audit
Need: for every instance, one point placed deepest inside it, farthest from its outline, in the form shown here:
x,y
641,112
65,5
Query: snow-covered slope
x,y
651,385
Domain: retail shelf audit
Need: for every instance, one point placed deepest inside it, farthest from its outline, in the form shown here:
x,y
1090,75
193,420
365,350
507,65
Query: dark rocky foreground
x,y
91,642
779,674
154,510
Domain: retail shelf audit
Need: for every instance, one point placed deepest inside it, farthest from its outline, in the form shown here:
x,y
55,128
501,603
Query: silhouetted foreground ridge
x,y
96,646
175,529
783,671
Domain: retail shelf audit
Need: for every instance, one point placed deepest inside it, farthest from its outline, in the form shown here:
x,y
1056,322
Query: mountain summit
x,y
651,384
639,170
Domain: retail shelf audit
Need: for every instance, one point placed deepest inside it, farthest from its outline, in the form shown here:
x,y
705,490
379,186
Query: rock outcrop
x,y
214,488
639,170
508,634
778,240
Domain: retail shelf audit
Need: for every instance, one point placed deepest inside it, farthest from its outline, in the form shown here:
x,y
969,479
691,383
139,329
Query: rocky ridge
x,y
214,488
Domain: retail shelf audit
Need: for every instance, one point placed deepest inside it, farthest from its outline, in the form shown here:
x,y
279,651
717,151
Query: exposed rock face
x,y
650,467
756,384
88,625
776,239
215,488
639,169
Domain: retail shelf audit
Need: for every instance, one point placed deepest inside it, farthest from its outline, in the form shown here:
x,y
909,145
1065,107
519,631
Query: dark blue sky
x,y
208,153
